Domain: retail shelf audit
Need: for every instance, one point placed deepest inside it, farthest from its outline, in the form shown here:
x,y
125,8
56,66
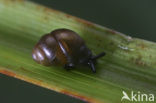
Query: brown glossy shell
x,y
44,51
61,46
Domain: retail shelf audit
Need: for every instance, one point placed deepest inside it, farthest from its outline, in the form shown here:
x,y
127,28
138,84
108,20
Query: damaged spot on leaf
x,y
6,72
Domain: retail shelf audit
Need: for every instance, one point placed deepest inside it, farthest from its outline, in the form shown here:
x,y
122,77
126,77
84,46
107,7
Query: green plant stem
x,y
129,64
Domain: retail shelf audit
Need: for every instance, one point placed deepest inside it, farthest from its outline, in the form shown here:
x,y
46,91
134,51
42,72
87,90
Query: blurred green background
x,y
136,18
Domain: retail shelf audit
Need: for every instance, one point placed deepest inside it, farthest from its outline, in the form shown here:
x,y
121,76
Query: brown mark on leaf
x,y
150,56
85,22
14,1
45,10
9,73
84,98
68,16
49,10
43,84
38,7
46,18
109,31
138,61
22,68
21,77
36,82
98,39
142,46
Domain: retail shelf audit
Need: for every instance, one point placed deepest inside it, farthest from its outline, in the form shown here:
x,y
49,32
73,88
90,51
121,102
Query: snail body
x,y
63,47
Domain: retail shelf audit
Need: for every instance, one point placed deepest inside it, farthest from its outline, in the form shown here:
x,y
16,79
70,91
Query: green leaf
x,y
129,64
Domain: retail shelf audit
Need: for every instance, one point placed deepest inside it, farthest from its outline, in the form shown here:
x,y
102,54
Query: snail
x,y
64,47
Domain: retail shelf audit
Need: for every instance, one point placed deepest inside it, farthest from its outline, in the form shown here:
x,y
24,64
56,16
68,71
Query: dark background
x,y
136,18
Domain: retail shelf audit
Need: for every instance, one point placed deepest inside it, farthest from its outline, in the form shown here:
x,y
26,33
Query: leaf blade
x,y
128,60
